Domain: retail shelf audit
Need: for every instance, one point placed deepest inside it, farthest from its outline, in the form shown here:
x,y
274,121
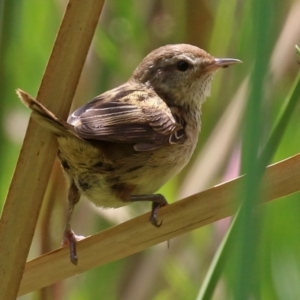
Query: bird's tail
x,y
45,117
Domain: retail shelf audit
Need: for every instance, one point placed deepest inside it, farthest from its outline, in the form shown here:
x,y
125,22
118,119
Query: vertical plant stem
x,y
23,203
248,237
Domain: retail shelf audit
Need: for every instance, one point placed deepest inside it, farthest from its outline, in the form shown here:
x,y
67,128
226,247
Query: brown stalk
x,y
24,199
138,234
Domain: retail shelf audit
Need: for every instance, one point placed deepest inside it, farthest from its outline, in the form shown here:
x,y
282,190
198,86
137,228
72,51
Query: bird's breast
x,y
108,174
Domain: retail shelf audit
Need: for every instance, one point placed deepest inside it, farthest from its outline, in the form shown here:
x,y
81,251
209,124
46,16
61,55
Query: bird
x,y
126,143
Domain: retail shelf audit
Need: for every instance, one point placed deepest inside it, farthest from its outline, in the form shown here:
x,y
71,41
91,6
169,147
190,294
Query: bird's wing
x,y
126,115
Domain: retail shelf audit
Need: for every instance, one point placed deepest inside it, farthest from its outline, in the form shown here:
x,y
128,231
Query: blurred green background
x,y
127,31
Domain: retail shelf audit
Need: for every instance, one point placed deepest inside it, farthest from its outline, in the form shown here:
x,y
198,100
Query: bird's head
x,y
180,74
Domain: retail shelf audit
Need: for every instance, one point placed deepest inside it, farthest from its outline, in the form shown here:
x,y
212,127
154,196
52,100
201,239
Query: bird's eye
x,y
182,65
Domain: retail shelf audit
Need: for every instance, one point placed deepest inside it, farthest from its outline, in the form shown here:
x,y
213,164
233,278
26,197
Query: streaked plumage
x,y
126,143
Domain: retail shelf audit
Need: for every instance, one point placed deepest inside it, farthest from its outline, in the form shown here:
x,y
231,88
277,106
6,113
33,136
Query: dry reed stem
x,y
138,234
24,199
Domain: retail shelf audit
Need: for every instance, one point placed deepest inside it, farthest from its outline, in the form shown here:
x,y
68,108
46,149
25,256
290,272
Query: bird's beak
x,y
221,63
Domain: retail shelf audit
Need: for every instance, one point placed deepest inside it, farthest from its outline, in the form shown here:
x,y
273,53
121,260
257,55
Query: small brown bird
x,y
126,143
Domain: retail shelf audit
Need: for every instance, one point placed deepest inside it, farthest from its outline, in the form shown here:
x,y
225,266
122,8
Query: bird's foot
x,y
70,238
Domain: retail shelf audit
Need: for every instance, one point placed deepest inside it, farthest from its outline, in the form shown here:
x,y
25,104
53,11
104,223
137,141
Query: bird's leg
x,y
69,236
157,200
